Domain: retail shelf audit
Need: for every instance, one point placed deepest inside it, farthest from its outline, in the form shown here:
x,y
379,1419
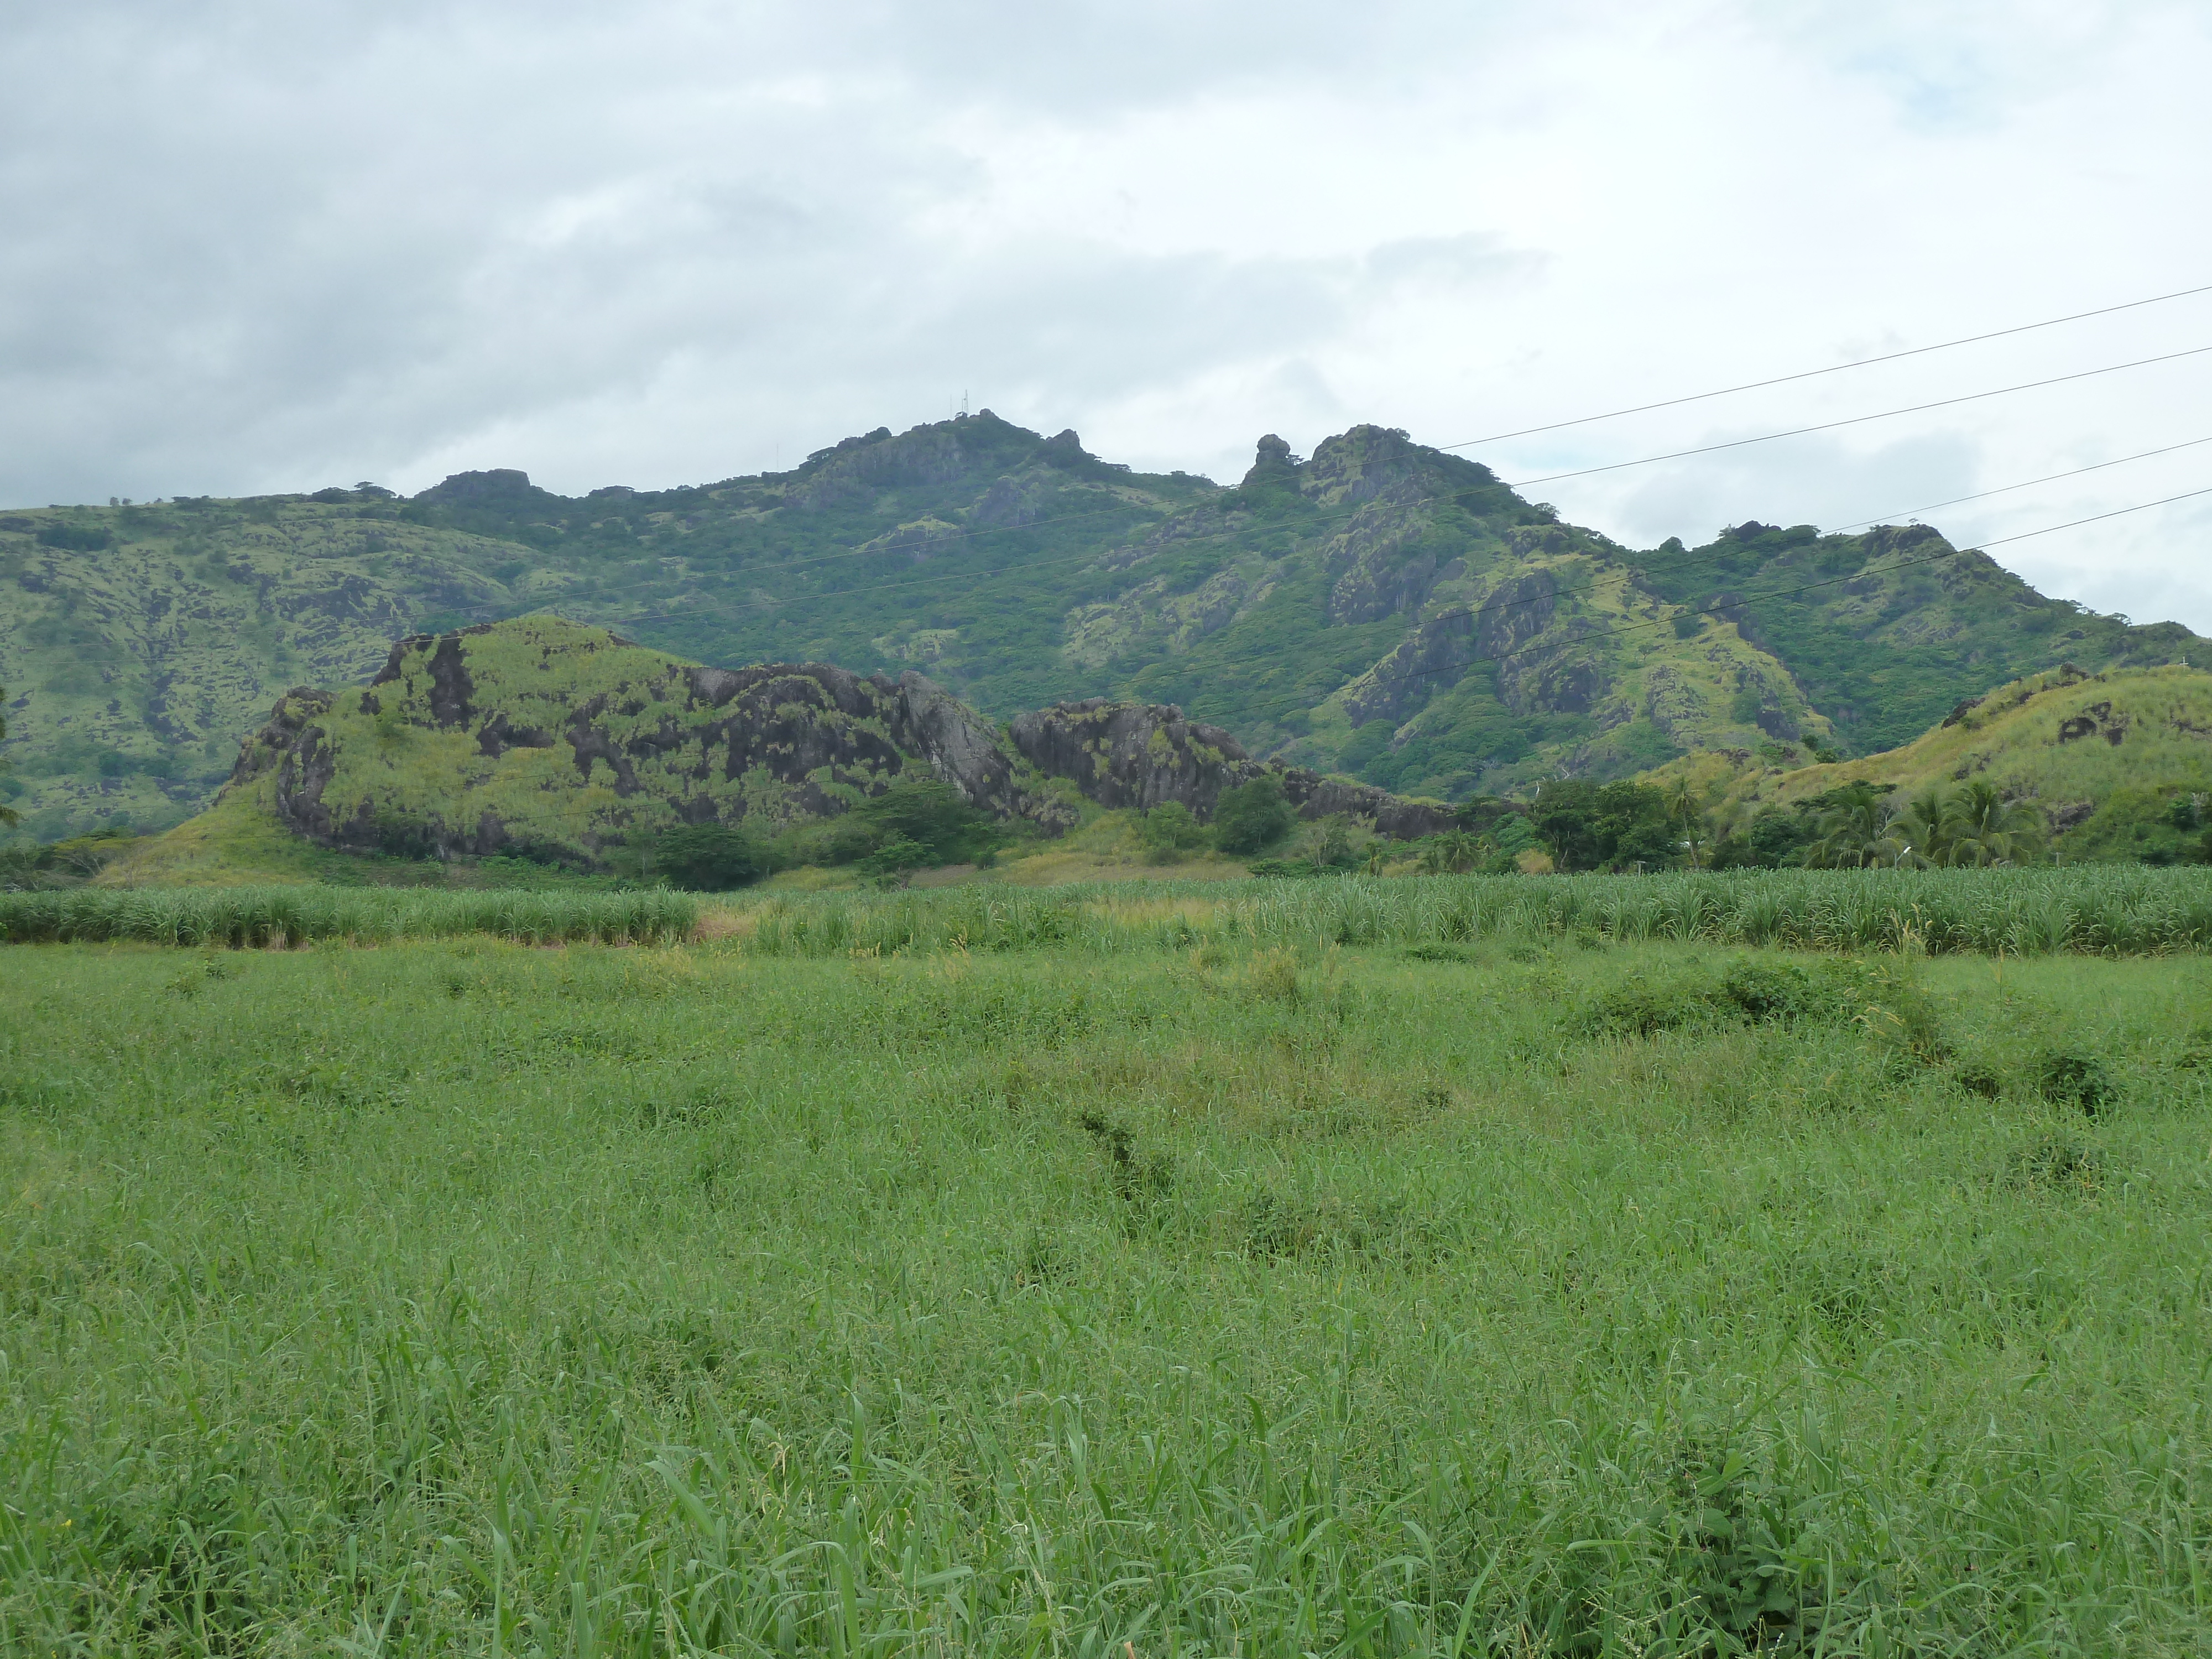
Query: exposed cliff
x,y
544,737
1147,755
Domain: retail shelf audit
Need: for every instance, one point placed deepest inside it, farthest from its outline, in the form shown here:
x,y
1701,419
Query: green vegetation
x,y
709,858
1887,652
10,789
1518,1291
2150,824
1252,817
2090,768
540,740
1614,826
254,917
1380,609
2099,910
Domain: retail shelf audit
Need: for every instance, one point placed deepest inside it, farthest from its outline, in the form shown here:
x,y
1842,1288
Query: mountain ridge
x,y
1380,609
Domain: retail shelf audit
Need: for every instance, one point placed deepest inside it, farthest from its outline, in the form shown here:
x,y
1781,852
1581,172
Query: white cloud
x,y
258,246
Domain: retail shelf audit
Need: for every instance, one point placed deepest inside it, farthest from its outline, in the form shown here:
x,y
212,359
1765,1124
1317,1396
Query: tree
x,y
709,858
7,814
1328,846
933,815
1453,853
1684,808
1924,829
1253,816
1984,828
1857,833
1168,831
1587,826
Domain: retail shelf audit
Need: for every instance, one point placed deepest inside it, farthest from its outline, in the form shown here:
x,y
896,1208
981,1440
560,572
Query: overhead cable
x,y
1860,420
1832,368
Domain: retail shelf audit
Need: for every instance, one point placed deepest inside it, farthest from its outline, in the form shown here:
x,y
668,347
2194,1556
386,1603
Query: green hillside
x,y
1381,609
544,739
2119,763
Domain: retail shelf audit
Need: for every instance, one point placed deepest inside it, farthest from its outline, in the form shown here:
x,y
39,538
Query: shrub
x,y
709,858
1253,816
1168,831
1637,1007
2073,1077
933,815
74,538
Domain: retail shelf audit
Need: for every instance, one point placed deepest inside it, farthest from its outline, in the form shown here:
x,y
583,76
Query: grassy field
x,y
1514,1295
2105,910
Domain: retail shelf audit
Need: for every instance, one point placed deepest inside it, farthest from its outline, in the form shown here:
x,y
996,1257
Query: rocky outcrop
x,y
641,740
1393,816
1133,754
1147,755
801,740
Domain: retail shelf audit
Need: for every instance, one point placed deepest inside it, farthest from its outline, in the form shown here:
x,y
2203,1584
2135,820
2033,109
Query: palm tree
x,y
1923,826
1857,836
1454,852
1984,828
1684,807
1681,800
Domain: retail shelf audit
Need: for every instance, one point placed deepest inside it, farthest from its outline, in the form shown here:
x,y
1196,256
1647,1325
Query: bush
x,y
709,858
2070,1077
74,538
1253,816
1168,831
933,815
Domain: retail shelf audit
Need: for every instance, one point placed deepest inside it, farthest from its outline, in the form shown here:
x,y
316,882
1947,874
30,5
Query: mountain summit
x,y
1379,609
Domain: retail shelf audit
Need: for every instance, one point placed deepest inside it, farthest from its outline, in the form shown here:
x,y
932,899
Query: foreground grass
x,y
463,1297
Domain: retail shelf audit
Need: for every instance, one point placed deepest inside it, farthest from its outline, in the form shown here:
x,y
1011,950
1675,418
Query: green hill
x,y
1381,609
2120,763
544,741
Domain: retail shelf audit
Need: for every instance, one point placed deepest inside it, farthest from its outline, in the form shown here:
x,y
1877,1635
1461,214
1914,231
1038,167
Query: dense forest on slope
x,y
1380,609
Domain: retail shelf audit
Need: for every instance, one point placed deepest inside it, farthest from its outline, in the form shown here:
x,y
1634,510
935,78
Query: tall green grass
x,y
2095,911
464,1298
252,917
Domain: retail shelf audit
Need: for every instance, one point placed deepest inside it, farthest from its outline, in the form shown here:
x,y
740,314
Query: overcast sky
x,y
276,247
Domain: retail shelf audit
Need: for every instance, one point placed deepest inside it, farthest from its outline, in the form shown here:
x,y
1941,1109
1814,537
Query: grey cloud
x,y
256,246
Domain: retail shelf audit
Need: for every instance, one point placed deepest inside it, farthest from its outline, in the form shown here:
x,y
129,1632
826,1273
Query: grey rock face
x,y
1147,755
790,720
1133,754
797,723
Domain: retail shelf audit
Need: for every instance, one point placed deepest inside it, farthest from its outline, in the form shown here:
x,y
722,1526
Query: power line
x,y
1860,420
1832,368
724,609
2116,512
1980,494
1516,484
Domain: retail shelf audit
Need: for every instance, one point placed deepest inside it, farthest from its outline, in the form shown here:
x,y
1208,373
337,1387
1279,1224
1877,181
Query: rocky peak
x,y
1360,464
500,489
1273,462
